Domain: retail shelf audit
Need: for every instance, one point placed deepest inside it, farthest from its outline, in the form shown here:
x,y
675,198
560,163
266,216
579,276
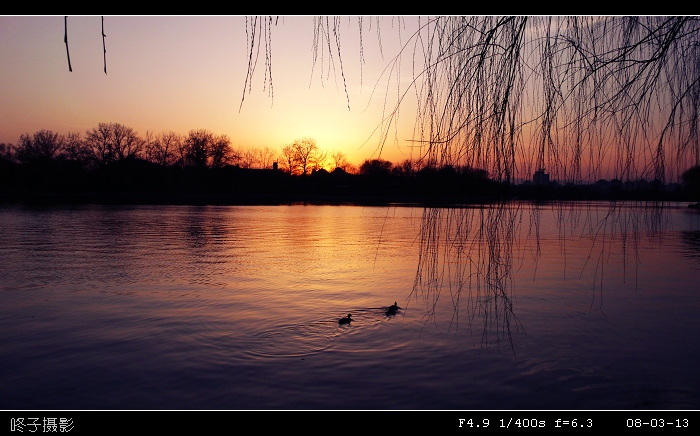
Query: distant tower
x,y
540,177
274,166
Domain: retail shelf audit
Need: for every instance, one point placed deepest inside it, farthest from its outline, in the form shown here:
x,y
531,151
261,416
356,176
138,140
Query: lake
x,y
510,306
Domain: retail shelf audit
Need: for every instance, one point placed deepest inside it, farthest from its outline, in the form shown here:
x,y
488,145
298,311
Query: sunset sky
x,y
179,73
183,73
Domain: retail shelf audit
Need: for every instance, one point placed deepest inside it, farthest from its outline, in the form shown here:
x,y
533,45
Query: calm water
x,y
587,306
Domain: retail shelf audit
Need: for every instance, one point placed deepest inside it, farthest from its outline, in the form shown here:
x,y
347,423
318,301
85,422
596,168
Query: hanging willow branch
x,y
65,40
322,44
258,29
104,48
583,97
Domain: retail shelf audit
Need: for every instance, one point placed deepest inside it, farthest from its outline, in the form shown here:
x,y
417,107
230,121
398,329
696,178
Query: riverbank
x,y
140,182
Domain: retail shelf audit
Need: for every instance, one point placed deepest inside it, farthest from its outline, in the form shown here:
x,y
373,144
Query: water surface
x,y
586,306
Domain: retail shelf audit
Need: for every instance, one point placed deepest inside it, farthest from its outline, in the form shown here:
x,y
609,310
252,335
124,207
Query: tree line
x,y
114,158
200,148
109,143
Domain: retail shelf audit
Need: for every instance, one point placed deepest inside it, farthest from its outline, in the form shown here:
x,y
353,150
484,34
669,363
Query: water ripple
x,y
300,340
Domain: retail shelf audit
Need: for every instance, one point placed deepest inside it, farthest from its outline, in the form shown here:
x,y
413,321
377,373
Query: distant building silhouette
x,y
540,177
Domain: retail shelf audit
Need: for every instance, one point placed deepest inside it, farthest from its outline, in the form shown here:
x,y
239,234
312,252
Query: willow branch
x,y
65,40
104,49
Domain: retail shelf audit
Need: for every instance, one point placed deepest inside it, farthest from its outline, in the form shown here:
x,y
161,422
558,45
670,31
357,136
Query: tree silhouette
x,y
203,149
6,153
691,180
42,145
304,152
75,149
287,158
250,157
163,148
112,142
198,146
340,160
318,159
221,151
376,168
266,157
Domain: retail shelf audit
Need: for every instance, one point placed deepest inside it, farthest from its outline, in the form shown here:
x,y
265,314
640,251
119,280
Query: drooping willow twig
x,y
258,29
65,40
322,38
104,47
582,97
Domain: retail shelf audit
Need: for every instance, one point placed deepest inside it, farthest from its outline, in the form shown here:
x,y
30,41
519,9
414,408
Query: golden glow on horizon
x,y
184,73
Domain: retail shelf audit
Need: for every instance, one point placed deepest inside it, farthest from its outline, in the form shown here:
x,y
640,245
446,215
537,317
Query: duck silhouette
x,y
347,320
392,309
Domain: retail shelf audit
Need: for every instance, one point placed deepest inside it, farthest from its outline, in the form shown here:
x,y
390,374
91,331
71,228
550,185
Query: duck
x,y
392,309
347,320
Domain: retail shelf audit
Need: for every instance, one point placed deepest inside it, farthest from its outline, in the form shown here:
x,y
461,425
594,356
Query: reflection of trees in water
x,y
206,234
469,253
691,239
625,225
468,256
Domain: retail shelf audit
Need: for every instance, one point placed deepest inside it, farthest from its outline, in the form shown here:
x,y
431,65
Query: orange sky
x,y
182,73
